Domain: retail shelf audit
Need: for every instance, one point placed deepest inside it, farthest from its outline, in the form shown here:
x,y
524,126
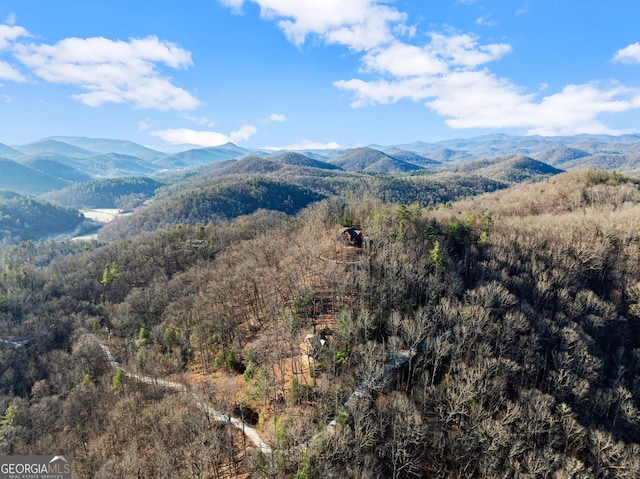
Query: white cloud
x,y
402,30
143,125
276,118
486,21
435,58
420,72
10,33
206,122
385,91
7,72
629,54
236,5
402,60
358,24
464,50
113,70
205,138
305,145
450,76
273,118
576,108
478,99
449,73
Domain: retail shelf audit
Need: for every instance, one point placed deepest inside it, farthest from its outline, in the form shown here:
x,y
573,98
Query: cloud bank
x,y
449,72
358,24
629,54
112,71
205,137
276,118
9,34
116,71
103,70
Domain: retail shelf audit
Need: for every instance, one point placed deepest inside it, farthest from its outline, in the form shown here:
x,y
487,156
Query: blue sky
x,y
313,73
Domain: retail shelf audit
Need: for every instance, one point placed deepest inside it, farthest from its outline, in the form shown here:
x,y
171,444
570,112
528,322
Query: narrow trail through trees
x,y
247,430
398,359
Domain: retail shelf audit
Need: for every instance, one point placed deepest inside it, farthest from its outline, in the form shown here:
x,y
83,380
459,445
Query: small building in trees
x,y
353,237
315,343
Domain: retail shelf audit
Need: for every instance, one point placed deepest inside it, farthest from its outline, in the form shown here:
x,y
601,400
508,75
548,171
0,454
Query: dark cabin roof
x,y
353,233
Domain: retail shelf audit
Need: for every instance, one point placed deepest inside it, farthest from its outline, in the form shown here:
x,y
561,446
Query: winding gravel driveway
x,y
247,430
400,358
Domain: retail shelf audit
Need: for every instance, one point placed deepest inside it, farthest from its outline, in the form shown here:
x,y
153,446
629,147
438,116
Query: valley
x,y
100,216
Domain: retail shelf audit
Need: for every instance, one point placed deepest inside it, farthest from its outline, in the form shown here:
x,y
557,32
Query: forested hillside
x,y
25,218
368,159
223,191
510,169
519,310
225,200
106,193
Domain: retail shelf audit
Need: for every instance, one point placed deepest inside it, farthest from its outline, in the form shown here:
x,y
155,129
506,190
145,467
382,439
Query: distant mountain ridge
x,y
56,162
55,169
557,155
22,178
202,156
369,159
552,150
409,156
106,145
515,168
298,159
8,152
53,146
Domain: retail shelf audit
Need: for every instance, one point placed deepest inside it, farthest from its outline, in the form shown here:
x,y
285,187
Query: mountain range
x,y
56,163
57,156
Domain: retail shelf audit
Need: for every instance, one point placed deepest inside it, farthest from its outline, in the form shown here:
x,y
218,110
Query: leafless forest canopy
x,y
276,318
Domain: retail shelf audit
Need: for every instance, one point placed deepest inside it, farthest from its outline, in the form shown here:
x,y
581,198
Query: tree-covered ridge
x,y
128,193
224,200
215,194
106,193
426,187
509,169
23,218
369,159
298,159
252,165
538,285
432,190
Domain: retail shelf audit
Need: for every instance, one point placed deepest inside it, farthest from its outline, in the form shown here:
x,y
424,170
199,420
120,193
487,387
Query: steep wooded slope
x,y
369,159
105,193
510,169
26,218
222,201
